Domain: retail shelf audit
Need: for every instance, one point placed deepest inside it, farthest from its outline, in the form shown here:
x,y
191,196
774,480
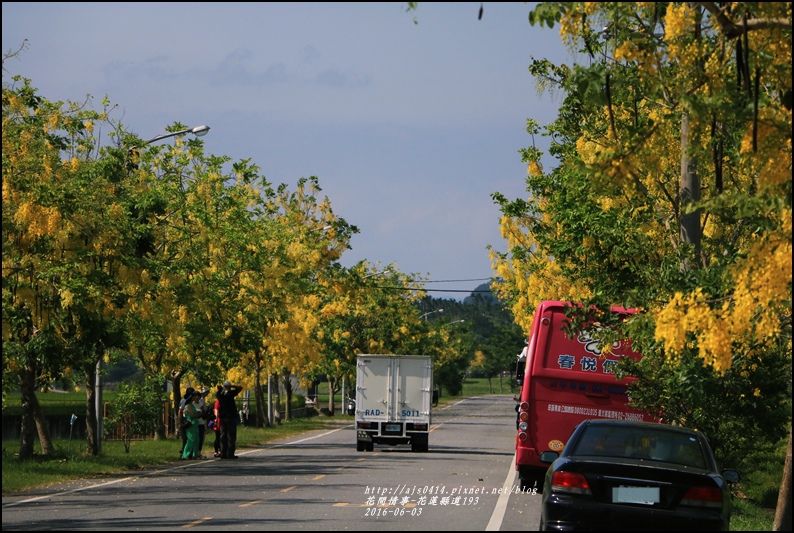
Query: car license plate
x,y
393,428
643,495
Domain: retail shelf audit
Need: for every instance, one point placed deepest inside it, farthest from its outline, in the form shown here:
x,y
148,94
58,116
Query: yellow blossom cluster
x,y
534,169
753,314
679,21
763,279
627,51
691,315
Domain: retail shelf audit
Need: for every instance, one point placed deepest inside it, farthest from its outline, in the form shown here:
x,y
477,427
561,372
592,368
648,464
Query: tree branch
x,y
733,30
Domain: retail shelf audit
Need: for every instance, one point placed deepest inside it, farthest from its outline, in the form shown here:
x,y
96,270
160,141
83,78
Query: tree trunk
x,y
690,191
259,395
42,427
91,444
783,512
334,384
162,429
27,437
288,393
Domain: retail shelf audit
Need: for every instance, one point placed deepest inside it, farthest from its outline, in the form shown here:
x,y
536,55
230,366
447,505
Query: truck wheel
x,y
370,446
419,443
360,445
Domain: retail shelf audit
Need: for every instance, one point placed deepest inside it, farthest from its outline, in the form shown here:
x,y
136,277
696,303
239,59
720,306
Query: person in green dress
x,y
192,415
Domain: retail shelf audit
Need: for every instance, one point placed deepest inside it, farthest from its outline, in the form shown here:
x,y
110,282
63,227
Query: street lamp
x,y
455,322
198,131
430,313
382,272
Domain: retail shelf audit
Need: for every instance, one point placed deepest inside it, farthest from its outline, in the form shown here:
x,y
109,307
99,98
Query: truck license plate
x,y
393,428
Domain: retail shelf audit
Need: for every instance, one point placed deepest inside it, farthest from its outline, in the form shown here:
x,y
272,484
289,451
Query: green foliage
x,y
605,226
743,412
136,410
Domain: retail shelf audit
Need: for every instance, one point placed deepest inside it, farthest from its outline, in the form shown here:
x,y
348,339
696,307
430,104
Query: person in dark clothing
x,y
228,415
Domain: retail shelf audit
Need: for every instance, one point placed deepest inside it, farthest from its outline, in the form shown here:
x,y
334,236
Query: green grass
x,y
753,502
70,461
755,497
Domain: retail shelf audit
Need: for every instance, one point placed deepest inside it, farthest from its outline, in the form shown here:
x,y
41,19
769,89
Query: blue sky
x,y
409,127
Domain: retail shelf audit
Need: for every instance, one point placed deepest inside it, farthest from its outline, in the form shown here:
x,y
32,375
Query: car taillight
x,y
572,482
524,406
703,497
522,436
524,416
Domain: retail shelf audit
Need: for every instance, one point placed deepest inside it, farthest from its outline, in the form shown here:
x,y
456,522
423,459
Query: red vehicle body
x,y
563,382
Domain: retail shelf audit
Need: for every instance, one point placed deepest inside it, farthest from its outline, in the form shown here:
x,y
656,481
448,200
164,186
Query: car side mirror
x,y
548,456
731,476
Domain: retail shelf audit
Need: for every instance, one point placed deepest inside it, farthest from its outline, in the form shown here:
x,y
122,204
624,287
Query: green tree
x,y
61,257
368,310
673,196
136,410
499,343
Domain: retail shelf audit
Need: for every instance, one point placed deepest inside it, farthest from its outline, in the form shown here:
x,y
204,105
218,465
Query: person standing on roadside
x,y
180,418
202,407
227,413
217,422
192,415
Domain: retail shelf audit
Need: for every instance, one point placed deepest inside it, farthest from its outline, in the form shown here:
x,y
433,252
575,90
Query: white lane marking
x,y
501,504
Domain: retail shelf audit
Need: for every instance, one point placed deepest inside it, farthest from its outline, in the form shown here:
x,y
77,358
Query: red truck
x,y
563,382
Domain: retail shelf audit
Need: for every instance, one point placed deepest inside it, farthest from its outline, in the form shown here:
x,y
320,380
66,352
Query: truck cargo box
x,y
393,400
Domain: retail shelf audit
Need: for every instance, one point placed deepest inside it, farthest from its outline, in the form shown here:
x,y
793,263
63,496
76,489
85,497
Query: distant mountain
x,y
481,294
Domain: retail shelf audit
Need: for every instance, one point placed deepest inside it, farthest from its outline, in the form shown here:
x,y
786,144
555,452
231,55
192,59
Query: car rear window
x,y
663,445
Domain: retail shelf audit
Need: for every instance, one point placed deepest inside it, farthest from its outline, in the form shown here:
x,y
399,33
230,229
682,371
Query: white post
x,y
270,420
100,418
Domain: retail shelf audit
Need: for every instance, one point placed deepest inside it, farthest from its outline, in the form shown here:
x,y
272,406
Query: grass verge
x,y
70,462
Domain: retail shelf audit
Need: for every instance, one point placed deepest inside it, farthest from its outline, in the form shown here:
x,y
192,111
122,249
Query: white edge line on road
x,y
501,504
29,500
97,485
309,438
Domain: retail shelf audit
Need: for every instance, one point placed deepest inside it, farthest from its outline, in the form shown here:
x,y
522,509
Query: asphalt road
x,y
316,481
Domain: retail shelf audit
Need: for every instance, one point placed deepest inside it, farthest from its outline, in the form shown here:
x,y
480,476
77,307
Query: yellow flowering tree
x,y
281,300
366,309
672,196
66,237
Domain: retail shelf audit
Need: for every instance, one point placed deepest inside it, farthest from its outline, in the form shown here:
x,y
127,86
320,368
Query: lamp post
x,y
198,131
382,272
430,313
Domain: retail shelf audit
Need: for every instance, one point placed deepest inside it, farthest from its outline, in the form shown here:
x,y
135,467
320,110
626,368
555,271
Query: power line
x,y
452,280
394,288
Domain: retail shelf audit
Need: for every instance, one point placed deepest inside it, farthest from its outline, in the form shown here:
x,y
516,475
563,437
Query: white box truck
x,y
393,400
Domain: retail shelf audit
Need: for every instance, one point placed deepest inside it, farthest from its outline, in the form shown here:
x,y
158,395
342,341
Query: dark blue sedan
x,y
615,475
